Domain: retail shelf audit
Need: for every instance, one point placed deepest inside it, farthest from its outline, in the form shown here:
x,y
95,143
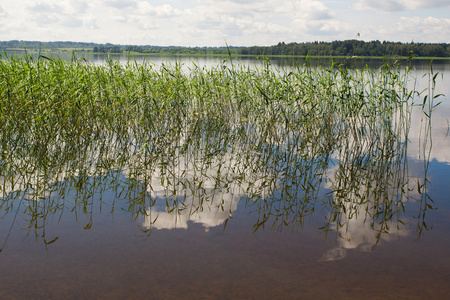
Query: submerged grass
x,y
201,131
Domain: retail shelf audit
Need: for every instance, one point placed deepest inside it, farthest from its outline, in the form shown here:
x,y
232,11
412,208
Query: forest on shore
x,y
335,48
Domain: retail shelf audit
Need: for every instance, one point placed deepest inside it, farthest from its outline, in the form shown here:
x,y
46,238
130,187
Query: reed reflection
x,y
168,149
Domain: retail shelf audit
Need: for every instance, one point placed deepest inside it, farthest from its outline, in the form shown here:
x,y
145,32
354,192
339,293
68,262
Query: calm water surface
x,y
286,228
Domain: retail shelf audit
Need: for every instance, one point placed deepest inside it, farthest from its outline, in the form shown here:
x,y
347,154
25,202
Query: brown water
x,y
94,242
113,260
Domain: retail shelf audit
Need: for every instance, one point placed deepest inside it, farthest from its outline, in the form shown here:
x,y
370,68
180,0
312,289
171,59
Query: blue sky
x,y
214,22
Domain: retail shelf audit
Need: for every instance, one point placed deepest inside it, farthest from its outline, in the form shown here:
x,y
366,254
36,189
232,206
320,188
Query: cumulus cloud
x,y
206,22
120,4
264,20
429,29
90,22
69,14
67,7
73,22
313,10
45,7
159,11
400,5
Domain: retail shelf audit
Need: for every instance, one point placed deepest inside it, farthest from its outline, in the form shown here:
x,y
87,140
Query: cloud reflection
x,y
207,197
440,150
210,214
356,226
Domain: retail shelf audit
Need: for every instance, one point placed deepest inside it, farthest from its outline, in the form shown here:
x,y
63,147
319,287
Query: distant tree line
x,y
108,48
352,48
335,48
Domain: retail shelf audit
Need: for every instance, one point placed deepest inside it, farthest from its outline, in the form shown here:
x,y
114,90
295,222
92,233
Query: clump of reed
x,y
68,121
50,103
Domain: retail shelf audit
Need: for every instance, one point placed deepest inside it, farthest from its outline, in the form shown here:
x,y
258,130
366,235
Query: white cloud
x,y
160,11
429,29
50,6
120,4
211,22
285,20
400,5
51,14
383,5
73,22
45,7
313,10
90,22
145,23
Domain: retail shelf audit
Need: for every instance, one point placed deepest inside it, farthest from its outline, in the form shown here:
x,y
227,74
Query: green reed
x,y
72,130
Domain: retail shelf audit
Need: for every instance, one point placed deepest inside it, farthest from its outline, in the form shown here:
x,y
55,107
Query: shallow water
x,y
258,236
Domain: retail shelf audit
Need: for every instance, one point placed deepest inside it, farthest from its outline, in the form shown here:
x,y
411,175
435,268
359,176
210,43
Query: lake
x,y
236,211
